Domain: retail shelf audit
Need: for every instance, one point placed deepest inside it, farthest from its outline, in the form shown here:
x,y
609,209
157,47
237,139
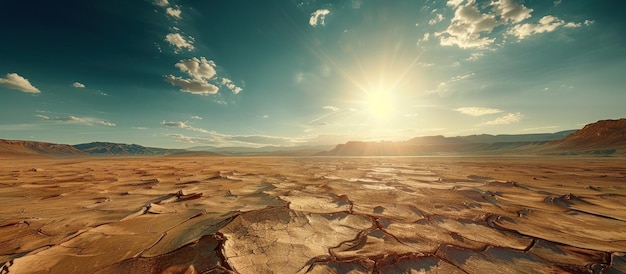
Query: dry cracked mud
x,y
312,215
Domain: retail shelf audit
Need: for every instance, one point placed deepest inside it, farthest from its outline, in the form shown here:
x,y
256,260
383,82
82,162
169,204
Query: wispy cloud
x,y
231,86
161,3
438,18
506,119
180,42
318,17
78,85
219,139
88,121
196,117
17,82
477,111
540,128
183,125
331,108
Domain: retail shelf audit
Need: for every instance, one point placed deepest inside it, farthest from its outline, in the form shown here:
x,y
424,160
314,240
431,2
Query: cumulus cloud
x,y
78,85
193,86
201,71
17,82
318,17
231,86
454,3
178,41
510,11
477,111
88,121
183,125
547,23
472,27
161,3
506,119
424,38
466,28
174,12
438,18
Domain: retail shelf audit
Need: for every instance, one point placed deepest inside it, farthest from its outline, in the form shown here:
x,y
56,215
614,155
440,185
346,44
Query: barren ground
x,y
312,215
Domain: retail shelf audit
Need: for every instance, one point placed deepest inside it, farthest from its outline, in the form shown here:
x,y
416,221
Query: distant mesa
x,y
105,148
605,137
29,148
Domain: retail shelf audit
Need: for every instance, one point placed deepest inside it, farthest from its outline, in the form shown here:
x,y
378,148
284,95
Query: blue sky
x,y
177,74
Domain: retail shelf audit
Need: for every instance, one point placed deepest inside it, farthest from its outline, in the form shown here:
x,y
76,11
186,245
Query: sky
x,y
182,73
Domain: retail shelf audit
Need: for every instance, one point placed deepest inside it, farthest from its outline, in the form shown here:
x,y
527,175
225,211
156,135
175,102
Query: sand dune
x,y
312,215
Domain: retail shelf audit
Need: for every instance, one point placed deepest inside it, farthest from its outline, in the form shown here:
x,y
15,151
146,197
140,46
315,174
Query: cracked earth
x,y
313,215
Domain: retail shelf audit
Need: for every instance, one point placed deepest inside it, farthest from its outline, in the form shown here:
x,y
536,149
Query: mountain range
x,y
605,137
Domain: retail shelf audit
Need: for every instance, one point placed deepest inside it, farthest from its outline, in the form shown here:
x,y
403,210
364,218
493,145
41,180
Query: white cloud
x,y
196,117
201,71
78,85
219,139
539,128
547,23
462,77
161,3
438,18
477,111
88,121
183,125
474,56
318,17
510,11
506,119
193,86
424,38
174,12
466,27
472,27
15,81
231,86
454,3
331,108
177,40
588,22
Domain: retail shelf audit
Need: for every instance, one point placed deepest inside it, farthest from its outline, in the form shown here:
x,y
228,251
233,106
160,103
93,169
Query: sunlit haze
x,y
178,74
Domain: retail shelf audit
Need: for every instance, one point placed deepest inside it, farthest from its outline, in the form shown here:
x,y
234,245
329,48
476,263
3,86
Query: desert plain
x,y
312,214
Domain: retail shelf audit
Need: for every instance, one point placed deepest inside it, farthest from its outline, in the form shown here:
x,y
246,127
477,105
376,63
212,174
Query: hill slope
x,y
19,147
105,148
602,137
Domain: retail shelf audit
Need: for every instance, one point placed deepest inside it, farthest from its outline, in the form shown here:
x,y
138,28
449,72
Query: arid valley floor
x,y
313,215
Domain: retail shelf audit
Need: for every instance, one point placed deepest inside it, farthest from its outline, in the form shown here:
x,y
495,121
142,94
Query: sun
x,y
380,103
